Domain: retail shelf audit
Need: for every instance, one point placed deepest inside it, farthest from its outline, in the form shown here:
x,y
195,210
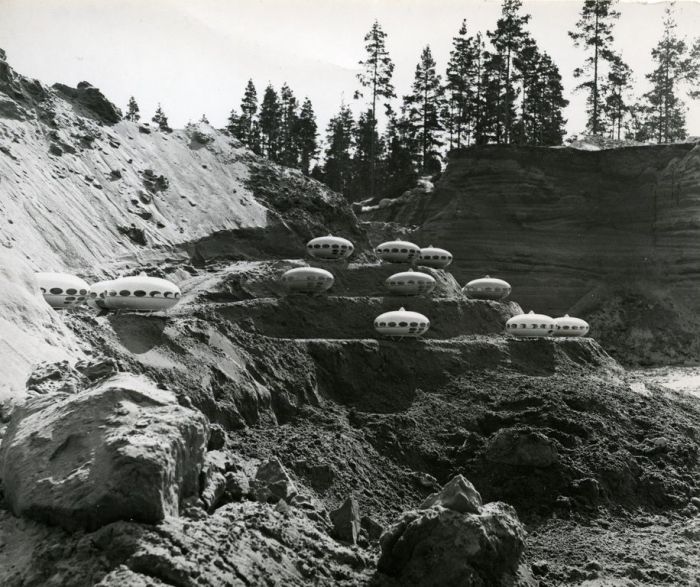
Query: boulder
x,y
522,447
439,546
458,495
120,450
346,521
92,99
213,478
272,482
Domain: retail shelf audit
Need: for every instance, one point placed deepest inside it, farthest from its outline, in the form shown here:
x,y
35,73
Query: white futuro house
x,y
397,251
307,280
410,283
434,257
487,288
330,247
139,293
61,290
570,326
530,325
401,323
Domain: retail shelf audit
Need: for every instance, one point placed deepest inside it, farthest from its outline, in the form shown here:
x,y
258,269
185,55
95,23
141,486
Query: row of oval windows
x,y
514,326
336,246
395,250
306,278
472,288
411,282
443,257
139,293
403,324
57,291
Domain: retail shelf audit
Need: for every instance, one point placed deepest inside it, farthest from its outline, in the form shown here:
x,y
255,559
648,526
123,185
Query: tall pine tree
x,y
339,138
306,134
463,83
423,107
245,126
594,33
507,40
289,149
675,65
270,123
616,105
377,70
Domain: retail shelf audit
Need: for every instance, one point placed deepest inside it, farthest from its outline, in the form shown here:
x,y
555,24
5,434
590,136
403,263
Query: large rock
x,y
122,450
458,495
439,546
272,482
346,521
526,448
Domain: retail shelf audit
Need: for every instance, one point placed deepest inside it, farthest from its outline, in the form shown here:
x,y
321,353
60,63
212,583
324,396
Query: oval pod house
x,y
307,280
401,323
62,290
530,325
410,283
139,293
434,257
330,247
397,251
487,288
570,326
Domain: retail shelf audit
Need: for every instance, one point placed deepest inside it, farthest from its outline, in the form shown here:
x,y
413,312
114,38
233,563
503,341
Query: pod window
x,y
153,294
56,290
125,293
139,293
71,291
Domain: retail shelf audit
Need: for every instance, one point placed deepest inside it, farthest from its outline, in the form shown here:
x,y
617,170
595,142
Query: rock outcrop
x,y
122,450
454,540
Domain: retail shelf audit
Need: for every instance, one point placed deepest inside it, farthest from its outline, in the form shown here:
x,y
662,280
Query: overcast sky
x,y
195,56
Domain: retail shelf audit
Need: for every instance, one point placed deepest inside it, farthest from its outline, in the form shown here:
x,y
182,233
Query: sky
x,y
196,56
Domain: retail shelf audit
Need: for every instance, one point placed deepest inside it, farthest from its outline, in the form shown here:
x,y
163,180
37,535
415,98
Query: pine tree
x,y
675,65
338,163
245,126
132,110
289,149
367,144
306,134
616,107
463,80
376,76
161,119
594,33
270,122
400,172
507,40
550,126
423,107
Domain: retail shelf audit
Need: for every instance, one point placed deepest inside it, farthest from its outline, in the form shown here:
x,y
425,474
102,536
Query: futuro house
x,y
401,323
397,251
487,288
139,293
307,280
62,290
570,326
330,247
530,325
410,283
434,257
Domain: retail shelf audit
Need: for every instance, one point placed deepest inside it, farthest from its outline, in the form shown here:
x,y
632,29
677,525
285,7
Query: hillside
x,y
612,235
253,437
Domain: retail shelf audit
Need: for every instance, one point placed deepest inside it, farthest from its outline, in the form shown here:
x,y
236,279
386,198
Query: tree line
x,y
499,88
